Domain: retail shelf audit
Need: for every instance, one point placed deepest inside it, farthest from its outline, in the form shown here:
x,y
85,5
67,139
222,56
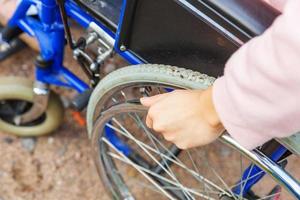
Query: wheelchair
x,y
170,44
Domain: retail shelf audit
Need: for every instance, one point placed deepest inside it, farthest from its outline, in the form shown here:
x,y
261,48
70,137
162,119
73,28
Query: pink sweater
x,y
258,98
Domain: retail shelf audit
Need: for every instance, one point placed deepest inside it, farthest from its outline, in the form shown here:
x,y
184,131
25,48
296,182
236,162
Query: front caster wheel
x,y
16,97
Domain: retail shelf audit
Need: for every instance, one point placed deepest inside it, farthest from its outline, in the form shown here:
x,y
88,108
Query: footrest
x,y
80,102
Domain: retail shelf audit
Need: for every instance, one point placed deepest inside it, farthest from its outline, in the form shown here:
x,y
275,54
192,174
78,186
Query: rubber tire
x,y
152,73
180,77
21,89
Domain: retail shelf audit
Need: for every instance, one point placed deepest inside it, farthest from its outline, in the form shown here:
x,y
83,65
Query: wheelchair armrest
x,y
255,16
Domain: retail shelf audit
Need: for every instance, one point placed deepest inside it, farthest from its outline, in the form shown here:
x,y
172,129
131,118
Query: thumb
x,y
149,101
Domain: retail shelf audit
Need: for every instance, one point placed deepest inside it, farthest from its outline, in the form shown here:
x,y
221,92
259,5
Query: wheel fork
x,y
41,94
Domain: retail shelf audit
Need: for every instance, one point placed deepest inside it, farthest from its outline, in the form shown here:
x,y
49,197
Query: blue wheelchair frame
x,y
50,34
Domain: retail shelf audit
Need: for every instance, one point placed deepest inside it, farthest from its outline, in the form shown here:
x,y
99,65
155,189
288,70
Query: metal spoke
x,y
165,148
138,168
241,165
145,171
156,175
177,162
169,172
242,182
144,149
197,170
245,182
124,95
196,175
114,100
187,195
217,174
138,120
141,184
271,195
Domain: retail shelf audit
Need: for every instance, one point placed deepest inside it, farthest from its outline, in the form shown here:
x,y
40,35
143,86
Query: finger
x,y
169,136
149,101
182,145
149,122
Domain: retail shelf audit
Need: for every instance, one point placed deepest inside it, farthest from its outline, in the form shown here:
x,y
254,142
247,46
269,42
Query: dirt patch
x,y
60,165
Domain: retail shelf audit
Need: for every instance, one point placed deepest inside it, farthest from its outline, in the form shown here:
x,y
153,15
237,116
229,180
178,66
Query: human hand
x,y
185,117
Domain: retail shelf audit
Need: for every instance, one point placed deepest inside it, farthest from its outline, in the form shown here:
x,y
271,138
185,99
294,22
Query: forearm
x,y
258,97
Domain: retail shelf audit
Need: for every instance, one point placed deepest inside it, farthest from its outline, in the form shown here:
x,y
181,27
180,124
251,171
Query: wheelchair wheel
x,y
16,96
134,162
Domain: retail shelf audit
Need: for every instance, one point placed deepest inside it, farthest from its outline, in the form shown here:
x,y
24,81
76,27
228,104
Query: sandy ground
x,y
52,167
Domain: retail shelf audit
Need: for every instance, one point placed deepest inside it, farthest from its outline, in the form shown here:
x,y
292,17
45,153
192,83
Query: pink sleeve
x,y
258,98
278,4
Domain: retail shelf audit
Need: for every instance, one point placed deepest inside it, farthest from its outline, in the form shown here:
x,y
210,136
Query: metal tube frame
x,y
266,164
